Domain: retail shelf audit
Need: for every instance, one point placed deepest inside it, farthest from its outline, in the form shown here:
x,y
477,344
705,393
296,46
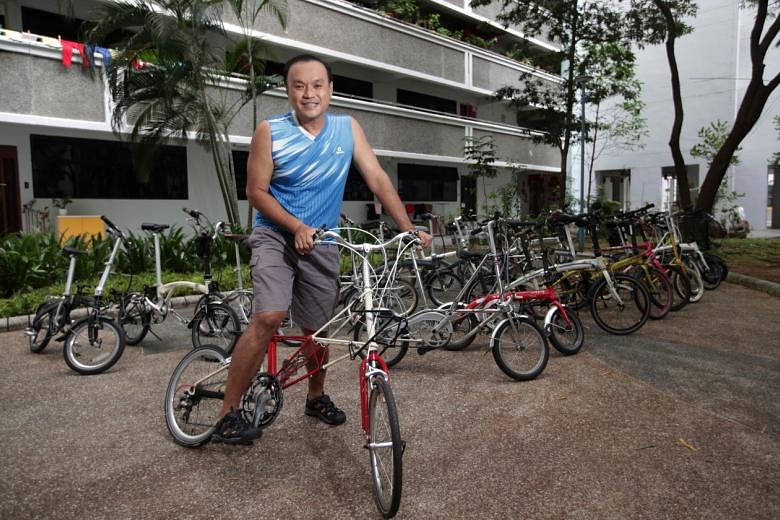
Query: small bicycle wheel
x,y
443,287
385,448
400,296
217,324
658,286
566,336
681,285
713,274
243,305
695,278
93,345
463,323
135,320
42,328
519,348
389,349
194,396
622,315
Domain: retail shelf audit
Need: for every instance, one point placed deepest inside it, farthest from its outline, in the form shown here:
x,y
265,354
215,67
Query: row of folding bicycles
x,y
522,288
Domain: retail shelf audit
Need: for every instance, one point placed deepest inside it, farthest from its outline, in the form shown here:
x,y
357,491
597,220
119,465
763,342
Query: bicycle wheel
x,y
195,394
93,345
389,349
443,287
135,320
566,336
713,275
519,348
400,296
681,285
659,288
463,323
694,277
216,324
385,448
622,315
42,328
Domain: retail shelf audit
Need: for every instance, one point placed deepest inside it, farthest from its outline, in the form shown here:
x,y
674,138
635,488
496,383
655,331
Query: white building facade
x,y
417,94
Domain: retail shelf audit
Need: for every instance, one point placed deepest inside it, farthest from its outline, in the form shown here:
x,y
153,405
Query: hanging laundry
x,y
104,53
67,53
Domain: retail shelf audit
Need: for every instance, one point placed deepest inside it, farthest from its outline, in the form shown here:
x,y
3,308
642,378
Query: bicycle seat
x,y
156,228
74,252
235,237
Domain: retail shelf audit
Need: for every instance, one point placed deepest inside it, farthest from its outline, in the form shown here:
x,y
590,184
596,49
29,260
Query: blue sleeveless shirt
x,y
310,172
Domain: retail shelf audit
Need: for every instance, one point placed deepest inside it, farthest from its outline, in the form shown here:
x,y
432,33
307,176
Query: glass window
x,y
97,169
427,183
415,99
356,188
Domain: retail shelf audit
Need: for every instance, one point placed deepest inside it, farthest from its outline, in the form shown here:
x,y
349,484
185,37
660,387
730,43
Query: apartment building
x,y
714,63
417,93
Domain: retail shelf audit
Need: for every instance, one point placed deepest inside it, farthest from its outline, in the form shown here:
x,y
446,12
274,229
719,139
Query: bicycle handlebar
x,y
111,228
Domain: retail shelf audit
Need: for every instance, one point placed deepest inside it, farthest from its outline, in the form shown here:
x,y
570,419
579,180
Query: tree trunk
x,y
753,104
674,139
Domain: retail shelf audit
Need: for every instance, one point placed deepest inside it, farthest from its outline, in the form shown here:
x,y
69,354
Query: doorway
x,y
10,199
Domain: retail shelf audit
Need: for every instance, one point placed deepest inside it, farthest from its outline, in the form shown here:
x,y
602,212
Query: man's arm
x,y
260,169
379,183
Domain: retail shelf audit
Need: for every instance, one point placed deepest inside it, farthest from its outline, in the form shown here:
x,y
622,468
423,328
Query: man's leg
x,y
248,356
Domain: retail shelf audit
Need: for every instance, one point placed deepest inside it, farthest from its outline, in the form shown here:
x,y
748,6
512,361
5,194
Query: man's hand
x,y
425,239
303,240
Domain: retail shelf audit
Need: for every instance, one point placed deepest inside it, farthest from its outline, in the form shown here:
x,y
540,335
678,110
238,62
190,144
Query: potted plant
x,y
62,204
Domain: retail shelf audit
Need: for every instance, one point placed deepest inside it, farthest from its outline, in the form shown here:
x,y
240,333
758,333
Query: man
x,y
296,173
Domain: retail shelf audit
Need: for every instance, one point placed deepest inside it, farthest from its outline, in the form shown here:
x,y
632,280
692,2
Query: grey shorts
x,y
282,279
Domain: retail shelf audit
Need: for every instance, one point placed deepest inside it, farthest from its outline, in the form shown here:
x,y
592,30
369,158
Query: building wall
x,y
43,97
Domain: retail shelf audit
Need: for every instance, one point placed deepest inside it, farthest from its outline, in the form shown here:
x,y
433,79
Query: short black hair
x,y
301,58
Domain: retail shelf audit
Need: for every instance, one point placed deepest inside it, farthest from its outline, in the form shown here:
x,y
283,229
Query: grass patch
x,y
750,251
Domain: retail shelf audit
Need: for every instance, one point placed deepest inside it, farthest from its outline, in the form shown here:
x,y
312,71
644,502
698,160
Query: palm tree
x,y
171,60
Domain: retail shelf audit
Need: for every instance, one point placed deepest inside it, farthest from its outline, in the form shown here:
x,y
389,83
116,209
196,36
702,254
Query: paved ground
x,y
681,420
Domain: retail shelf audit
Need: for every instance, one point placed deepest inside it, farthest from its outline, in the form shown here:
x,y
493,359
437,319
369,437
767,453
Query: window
x,y
240,158
97,169
353,87
427,183
50,24
670,184
356,188
415,99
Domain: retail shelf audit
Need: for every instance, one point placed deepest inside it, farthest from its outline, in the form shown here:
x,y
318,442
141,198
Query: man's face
x,y
309,90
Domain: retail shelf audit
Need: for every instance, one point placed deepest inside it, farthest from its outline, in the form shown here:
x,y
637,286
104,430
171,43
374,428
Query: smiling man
x,y
296,173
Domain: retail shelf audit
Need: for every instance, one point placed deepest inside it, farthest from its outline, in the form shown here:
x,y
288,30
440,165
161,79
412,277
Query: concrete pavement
x,y
680,420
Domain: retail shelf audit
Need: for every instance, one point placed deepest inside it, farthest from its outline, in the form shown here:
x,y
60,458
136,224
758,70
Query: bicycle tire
x,y
681,285
694,277
658,286
620,318
192,412
519,348
567,338
713,275
216,324
43,327
93,345
135,321
463,323
385,448
390,351
443,287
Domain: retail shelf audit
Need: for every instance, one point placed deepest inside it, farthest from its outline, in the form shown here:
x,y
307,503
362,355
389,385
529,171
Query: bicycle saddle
x,y
72,251
154,227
